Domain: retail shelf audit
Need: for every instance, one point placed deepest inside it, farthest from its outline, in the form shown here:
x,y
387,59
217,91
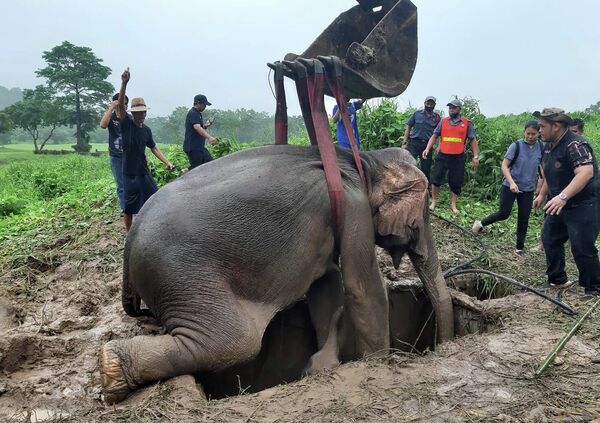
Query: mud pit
x,y
59,307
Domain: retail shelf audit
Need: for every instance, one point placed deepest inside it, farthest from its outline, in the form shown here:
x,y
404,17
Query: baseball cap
x,y
138,105
553,114
201,98
430,98
456,102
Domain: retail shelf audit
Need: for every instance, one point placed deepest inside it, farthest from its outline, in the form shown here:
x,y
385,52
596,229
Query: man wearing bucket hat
x,y
196,134
138,183
573,212
454,132
419,128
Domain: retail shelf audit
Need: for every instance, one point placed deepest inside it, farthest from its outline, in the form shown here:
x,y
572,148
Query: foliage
x,y
38,111
382,126
78,74
6,123
11,205
244,125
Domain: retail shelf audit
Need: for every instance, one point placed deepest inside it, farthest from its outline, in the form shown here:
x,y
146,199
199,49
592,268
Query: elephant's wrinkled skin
x,y
217,253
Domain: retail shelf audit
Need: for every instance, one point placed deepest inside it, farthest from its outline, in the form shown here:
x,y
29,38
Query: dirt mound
x,y
54,318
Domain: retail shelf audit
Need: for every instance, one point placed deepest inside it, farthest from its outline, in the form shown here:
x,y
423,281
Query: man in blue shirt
x,y
419,128
342,137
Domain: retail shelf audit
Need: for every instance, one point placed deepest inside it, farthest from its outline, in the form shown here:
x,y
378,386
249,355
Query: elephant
x,y
215,254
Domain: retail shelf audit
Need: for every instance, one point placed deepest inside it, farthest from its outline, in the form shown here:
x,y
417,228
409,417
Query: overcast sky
x,y
512,55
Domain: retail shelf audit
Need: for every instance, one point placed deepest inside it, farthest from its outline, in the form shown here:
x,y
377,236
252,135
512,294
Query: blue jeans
x,y
116,167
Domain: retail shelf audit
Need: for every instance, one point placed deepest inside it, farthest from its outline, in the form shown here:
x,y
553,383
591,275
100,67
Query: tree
x,y
5,122
78,74
39,108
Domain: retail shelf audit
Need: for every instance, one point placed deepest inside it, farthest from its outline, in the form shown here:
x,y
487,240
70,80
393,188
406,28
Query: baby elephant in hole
x,y
218,252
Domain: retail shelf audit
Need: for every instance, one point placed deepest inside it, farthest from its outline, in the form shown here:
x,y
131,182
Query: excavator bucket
x,y
377,43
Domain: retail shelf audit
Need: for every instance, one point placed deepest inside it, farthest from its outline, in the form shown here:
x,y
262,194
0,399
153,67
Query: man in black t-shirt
x,y
573,212
138,183
196,134
115,145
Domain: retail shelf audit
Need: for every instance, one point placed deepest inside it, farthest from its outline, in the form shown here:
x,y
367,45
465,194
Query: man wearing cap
x,y
115,145
573,212
419,128
454,132
196,134
352,107
138,183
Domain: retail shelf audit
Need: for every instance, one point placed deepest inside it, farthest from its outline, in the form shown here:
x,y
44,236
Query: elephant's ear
x,y
403,201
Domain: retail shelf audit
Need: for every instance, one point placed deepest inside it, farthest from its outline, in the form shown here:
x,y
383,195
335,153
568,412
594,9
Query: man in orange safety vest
x,y
454,132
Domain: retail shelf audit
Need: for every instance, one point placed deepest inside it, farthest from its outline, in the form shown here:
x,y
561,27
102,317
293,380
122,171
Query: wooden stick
x,y
565,339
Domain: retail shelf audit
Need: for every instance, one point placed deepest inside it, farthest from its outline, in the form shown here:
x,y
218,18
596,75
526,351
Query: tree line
x,y
70,103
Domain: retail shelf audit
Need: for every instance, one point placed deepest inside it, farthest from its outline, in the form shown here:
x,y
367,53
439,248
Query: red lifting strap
x,y
281,117
304,89
310,85
333,65
326,147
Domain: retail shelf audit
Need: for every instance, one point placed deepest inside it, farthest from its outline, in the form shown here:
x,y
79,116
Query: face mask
x,y
429,109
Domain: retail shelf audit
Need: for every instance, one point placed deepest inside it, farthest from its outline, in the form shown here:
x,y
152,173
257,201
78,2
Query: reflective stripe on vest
x,y
454,136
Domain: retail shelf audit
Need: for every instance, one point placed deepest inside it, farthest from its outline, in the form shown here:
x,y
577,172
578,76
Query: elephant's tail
x,y
129,298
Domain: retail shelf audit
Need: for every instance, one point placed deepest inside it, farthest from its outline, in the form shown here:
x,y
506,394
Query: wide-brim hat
x,y
553,114
138,105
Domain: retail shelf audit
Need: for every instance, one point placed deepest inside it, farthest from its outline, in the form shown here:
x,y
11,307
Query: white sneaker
x,y
477,228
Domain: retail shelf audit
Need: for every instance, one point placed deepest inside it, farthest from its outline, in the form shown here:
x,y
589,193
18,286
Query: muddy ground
x,y
61,302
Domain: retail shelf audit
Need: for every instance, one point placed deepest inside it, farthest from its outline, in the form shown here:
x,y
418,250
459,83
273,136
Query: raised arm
x,y
121,110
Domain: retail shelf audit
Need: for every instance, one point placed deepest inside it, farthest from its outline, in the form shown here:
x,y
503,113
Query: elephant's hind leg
x,y
126,365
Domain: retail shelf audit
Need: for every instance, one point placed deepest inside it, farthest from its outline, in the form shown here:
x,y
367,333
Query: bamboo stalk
x,y
565,339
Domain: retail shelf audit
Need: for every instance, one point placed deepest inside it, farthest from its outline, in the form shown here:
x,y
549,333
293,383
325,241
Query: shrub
x,y
11,205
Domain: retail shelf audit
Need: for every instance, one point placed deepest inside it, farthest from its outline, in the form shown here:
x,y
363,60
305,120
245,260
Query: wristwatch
x,y
562,196
476,157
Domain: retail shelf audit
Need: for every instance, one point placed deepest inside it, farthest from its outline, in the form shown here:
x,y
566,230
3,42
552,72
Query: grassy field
x,y
23,152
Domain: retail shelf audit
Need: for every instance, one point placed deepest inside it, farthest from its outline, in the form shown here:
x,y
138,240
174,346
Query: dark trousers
x,y
454,166
416,147
198,157
507,200
579,224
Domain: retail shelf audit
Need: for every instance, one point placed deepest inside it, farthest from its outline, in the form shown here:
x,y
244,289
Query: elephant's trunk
x,y
428,267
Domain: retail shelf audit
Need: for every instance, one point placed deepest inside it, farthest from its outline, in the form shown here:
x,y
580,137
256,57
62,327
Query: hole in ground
x,y
289,342
481,287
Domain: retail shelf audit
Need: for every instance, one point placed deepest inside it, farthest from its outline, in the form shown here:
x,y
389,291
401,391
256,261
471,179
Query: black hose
x,y
458,269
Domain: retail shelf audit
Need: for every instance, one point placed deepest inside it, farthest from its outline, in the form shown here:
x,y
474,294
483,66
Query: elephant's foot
x,y
319,361
112,377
